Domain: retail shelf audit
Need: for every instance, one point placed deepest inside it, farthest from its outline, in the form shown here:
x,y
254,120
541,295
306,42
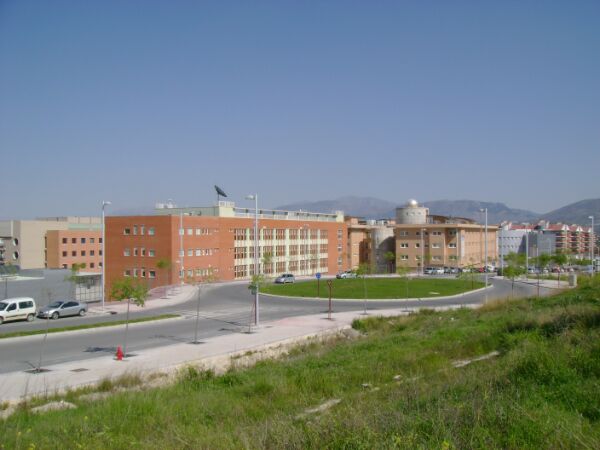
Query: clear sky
x,y
142,101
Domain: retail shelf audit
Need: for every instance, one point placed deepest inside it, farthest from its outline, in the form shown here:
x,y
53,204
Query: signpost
x,y
318,275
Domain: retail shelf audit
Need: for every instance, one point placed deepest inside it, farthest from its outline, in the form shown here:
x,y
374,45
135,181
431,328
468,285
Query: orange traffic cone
x,y
119,354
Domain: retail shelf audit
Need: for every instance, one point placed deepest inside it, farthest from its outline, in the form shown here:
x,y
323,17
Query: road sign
x,y
318,275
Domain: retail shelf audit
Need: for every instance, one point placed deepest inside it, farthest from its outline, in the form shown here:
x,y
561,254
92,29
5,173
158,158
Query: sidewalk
x,y
548,284
215,353
156,299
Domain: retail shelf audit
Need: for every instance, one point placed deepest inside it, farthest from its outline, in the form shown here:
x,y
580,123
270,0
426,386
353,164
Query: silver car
x,y
62,308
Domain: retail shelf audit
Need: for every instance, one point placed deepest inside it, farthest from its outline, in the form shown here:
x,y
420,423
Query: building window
x,y
404,257
339,234
126,231
127,273
73,253
151,274
99,264
151,253
83,240
436,258
143,251
142,229
339,248
92,240
435,245
190,252
135,251
135,230
100,240
452,245
64,254
151,231
82,252
339,261
181,253
436,233
190,231
417,245
92,252
100,252
403,233
64,240
404,245
92,265
73,240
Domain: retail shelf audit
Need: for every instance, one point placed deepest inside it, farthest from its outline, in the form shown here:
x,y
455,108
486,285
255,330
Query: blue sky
x,y
141,101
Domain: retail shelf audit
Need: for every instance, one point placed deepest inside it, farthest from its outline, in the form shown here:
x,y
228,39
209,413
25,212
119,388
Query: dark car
x,y
62,308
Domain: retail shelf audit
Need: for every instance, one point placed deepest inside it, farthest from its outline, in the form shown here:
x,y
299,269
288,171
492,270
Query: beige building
x,y
440,241
368,243
26,241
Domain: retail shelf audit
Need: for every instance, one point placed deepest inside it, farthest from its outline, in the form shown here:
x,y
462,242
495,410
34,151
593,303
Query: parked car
x,y
285,278
434,270
346,274
62,308
20,308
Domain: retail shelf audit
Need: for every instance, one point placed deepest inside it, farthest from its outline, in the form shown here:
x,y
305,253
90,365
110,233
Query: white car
x,y
346,274
21,308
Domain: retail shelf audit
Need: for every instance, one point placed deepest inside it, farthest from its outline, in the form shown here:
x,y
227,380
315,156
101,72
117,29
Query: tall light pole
x,y
422,251
592,245
485,264
526,250
181,249
256,269
105,203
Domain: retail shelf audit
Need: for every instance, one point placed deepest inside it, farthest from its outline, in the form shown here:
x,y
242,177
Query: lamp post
x,y
526,250
422,252
105,203
485,264
256,269
592,245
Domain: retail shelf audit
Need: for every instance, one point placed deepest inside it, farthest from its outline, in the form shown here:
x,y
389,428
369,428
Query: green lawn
x,y
376,288
542,391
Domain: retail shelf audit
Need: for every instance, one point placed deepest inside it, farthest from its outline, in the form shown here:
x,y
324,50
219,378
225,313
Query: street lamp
x,y
592,254
526,249
256,269
485,265
105,203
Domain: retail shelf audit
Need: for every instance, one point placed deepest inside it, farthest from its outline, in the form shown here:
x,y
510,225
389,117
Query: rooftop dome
x,y
412,202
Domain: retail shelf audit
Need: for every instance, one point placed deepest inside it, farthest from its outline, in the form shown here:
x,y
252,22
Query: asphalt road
x,y
224,309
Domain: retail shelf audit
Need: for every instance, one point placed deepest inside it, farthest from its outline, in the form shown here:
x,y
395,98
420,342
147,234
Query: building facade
x,y
440,241
26,241
219,241
67,247
369,242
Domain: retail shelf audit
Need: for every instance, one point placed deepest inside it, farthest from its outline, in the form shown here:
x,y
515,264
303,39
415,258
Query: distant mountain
x,y
374,208
578,213
497,212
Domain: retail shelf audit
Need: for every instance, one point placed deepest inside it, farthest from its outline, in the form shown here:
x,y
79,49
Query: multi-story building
x,y
29,244
368,243
427,240
545,237
219,241
67,247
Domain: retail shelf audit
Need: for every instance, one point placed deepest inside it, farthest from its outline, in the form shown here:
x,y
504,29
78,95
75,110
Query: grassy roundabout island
x,y
376,288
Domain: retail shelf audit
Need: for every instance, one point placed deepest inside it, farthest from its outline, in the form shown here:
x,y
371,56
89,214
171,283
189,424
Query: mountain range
x,y
374,208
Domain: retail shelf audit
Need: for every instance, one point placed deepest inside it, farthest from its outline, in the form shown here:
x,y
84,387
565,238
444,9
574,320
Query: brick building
x,y
220,241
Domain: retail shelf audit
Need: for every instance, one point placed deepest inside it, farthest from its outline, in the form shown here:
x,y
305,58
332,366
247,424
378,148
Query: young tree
x,y
165,265
74,276
403,271
514,268
9,271
560,259
362,271
198,283
131,290
390,257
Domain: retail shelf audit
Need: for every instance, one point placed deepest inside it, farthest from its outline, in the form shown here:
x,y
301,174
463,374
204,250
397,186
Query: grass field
x,y
376,288
397,387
